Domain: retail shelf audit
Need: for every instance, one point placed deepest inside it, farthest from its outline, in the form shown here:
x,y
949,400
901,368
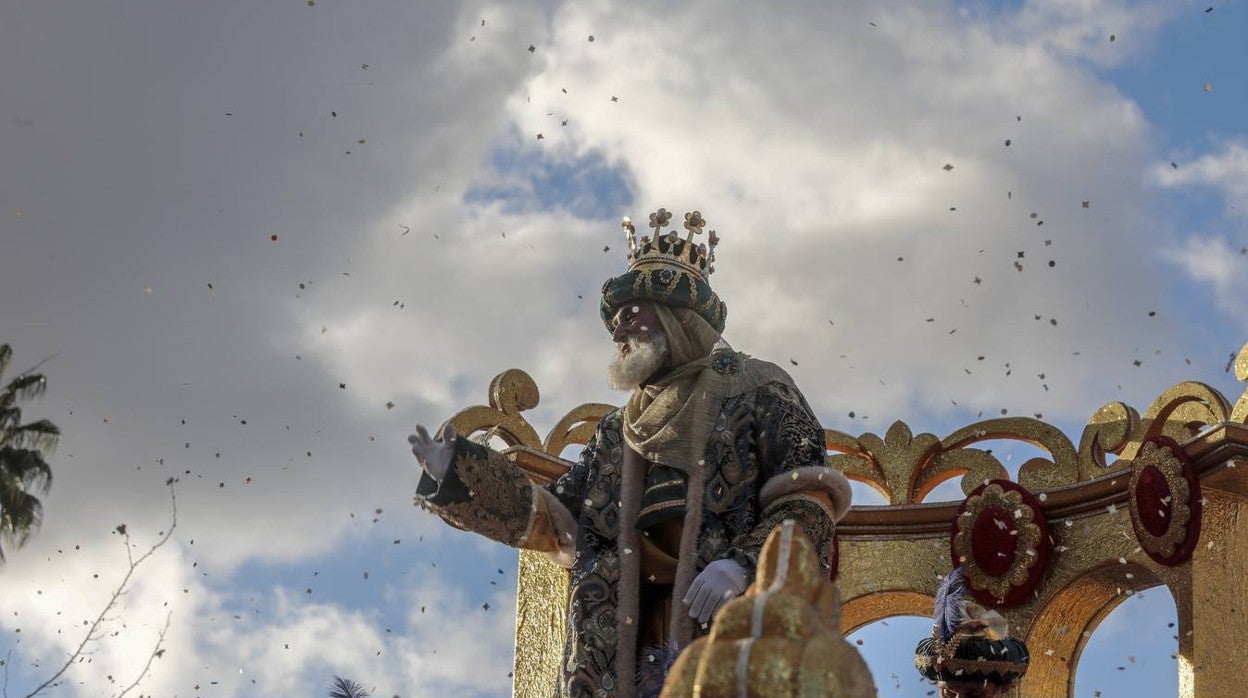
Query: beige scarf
x,y
668,421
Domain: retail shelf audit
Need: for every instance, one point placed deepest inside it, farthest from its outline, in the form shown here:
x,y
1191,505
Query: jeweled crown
x,y
669,249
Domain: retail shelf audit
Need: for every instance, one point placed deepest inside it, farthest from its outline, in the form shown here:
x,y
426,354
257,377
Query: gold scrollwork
x,y
975,467
1110,430
1240,413
576,427
893,466
511,392
1180,412
1037,473
905,468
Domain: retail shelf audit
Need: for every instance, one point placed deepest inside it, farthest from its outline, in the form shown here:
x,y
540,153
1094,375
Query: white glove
x,y
434,455
714,586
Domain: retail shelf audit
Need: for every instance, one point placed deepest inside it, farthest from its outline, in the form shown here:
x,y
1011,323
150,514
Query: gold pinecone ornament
x,y
781,638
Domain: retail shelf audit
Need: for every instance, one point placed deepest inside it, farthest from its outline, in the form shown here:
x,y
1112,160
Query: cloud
x,y
1218,263
1105,33
823,170
1225,171
243,641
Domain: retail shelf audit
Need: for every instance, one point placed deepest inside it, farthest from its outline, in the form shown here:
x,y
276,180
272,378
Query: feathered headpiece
x,y
969,642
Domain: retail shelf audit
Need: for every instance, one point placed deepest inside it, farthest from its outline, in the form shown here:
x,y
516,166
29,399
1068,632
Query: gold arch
x,y
862,612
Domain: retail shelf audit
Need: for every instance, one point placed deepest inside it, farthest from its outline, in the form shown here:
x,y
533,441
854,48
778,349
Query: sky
x,y
258,242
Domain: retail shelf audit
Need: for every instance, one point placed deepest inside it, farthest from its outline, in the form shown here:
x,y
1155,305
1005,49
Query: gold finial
x,y
781,638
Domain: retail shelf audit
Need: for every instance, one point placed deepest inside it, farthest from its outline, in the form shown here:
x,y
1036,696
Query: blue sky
x,y
333,221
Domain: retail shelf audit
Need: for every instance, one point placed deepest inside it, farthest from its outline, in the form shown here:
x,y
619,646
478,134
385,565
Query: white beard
x,y
644,359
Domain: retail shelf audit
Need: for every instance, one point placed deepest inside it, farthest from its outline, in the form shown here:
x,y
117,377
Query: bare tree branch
x,y
5,690
92,631
156,652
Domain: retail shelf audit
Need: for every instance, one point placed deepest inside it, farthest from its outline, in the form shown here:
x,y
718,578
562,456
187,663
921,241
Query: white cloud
x,y
1226,171
285,643
1104,32
1218,263
817,149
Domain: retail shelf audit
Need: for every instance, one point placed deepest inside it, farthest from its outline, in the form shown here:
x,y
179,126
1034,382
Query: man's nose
x,y
619,334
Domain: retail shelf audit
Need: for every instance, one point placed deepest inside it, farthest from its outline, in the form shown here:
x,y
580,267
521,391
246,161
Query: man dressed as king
x,y
662,518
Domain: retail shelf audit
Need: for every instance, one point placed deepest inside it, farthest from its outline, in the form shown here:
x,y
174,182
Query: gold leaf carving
x,y
899,455
511,392
1240,413
975,467
1037,473
576,427
1180,412
1108,431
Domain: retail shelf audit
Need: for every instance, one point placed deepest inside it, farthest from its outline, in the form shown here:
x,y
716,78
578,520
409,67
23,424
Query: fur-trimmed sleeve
x,y
486,493
796,481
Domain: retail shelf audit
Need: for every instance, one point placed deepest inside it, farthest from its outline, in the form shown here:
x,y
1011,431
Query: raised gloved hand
x,y
434,454
714,586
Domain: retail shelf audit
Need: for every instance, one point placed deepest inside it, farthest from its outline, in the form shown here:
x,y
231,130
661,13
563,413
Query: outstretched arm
x,y
475,488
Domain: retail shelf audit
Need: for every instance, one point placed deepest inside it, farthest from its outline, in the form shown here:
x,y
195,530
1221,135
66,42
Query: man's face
x,y
970,689
641,343
634,320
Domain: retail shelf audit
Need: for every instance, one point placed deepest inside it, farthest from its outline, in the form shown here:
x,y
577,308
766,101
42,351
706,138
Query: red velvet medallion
x,y
1165,501
1001,539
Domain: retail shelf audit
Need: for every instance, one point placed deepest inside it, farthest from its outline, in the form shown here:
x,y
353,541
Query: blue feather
x,y
948,610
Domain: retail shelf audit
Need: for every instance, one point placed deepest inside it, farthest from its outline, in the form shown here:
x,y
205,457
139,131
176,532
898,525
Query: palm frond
x,y
20,513
24,469
6,353
346,688
39,436
24,387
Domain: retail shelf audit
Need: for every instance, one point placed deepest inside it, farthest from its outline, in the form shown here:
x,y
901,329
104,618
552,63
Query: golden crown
x,y
669,249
